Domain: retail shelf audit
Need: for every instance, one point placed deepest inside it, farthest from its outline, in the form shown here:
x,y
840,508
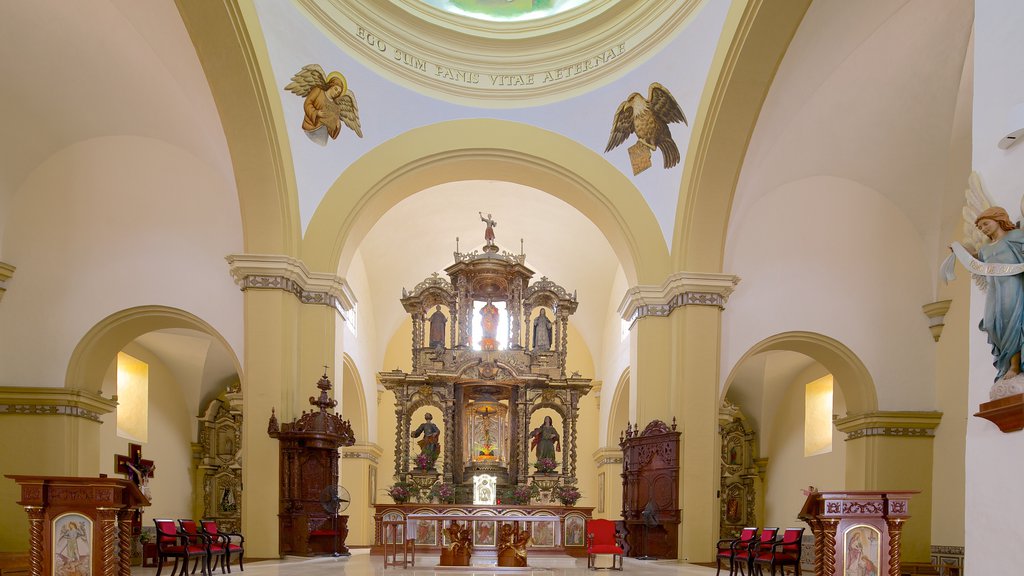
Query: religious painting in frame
x,y
574,527
72,549
371,483
862,555
399,530
600,493
543,534
484,534
426,533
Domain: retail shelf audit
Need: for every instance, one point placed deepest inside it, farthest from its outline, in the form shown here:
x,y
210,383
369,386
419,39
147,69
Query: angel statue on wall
x,y
993,251
328,103
649,119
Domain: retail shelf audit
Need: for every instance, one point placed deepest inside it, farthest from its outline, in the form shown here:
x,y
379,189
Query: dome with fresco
x,y
506,10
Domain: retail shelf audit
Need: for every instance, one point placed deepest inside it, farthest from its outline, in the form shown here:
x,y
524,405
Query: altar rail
x,y
561,530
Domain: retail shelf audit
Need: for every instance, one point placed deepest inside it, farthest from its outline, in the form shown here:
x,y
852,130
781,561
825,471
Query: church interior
x,y
471,238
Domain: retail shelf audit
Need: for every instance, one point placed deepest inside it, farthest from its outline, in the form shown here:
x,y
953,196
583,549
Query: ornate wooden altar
x,y
857,532
219,460
79,526
488,356
650,483
565,536
309,470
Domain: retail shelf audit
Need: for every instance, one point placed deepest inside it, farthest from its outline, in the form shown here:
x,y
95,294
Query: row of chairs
x,y
203,541
755,552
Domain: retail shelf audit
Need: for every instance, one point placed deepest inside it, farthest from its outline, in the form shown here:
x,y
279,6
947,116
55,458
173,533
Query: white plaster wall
x,y
831,256
993,507
105,225
361,347
614,357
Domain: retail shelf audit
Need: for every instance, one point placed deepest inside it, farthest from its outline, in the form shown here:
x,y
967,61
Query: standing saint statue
x,y
438,321
546,440
542,331
430,444
489,232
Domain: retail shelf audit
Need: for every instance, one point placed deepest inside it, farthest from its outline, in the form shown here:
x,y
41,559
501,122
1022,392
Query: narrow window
x,y
818,417
132,398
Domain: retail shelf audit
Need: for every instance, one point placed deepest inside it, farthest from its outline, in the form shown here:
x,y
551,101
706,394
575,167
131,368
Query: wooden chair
x,y
727,548
225,541
196,537
785,552
760,546
173,543
602,538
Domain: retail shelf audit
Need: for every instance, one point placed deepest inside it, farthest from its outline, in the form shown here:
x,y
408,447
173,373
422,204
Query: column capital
x,y
54,401
363,450
607,455
897,423
279,272
679,289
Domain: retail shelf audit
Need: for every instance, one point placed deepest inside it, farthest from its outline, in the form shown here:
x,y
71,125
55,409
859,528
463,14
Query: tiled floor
x,y
362,563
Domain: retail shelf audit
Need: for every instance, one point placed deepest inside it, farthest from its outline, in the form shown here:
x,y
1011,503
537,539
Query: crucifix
x,y
135,467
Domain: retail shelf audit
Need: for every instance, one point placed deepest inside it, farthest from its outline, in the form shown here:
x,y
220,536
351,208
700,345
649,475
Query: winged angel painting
x,y
649,119
993,250
328,103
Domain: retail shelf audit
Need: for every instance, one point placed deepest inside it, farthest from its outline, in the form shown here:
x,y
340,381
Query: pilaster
x,y
359,471
608,500
893,451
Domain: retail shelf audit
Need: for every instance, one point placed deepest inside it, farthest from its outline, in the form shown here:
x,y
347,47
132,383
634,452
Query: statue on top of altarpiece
x,y
438,321
542,331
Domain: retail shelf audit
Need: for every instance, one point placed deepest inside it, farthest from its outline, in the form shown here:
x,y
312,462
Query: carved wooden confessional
x,y
650,482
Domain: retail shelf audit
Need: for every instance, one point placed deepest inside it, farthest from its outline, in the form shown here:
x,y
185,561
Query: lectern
x,y
857,532
79,526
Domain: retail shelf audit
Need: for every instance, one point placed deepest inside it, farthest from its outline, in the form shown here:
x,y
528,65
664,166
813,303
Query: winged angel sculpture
x,y
993,251
649,119
328,103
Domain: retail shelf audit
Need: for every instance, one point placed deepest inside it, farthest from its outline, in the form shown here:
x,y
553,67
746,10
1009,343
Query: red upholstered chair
x,y
760,546
727,548
785,552
602,538
173,543
197,538
226,541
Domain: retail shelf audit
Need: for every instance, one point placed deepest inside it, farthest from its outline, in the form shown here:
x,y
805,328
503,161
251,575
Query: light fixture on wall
x,y
1015,121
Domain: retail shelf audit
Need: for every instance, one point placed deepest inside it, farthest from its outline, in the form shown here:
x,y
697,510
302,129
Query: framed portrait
x,y
600,493
484,534
862,554
574,527
543,534
72,548
426,533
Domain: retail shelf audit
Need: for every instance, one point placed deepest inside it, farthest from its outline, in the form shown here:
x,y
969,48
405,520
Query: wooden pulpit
x,y
79,526
857,532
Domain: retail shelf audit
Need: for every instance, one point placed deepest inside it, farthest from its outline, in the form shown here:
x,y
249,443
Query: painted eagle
x,y
649,119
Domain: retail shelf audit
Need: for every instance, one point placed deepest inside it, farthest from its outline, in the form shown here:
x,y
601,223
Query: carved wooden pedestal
x,y
857,532
77,524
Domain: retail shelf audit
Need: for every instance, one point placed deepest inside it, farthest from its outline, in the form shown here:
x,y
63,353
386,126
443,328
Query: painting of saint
x,y
862,554
426,533
71,554
543,533
484,534
574,531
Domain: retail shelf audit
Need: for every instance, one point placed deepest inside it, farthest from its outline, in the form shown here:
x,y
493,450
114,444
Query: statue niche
x,y
497,357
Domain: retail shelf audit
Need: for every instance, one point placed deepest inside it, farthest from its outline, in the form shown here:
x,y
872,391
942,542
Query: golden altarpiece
x,y
489,348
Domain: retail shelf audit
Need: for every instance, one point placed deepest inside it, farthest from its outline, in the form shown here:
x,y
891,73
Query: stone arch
x,y
849,373
94,352
486,149
356,411
618,409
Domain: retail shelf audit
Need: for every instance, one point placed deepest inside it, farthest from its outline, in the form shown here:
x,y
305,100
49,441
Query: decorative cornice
x,y
679,289
899,424
363,450
936,313
605,455
948,550
277,272
54,401
6,272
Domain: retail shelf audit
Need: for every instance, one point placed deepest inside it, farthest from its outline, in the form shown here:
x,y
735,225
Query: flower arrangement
x,y
443,493
400,492
545,465
522,494
567,494
423,462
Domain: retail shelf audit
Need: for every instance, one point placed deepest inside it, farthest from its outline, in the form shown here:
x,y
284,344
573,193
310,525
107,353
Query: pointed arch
x,y
849,373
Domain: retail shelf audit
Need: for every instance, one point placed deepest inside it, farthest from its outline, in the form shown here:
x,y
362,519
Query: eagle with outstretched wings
x,y
648,118
328,104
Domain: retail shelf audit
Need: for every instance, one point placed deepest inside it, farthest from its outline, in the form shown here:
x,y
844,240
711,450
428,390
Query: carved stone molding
x,y
605,456
936,313
679,289
277,272
899,424
54,401
6,272
364,451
